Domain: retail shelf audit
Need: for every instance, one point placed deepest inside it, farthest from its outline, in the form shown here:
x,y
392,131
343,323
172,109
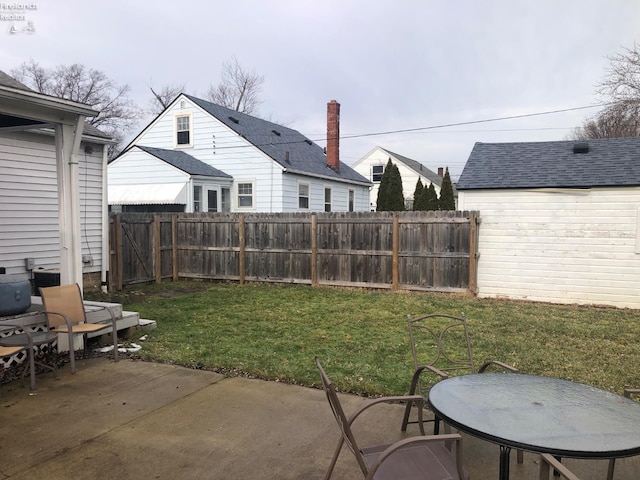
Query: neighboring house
x,y
52,187
179,179
372,166
560,221
255,165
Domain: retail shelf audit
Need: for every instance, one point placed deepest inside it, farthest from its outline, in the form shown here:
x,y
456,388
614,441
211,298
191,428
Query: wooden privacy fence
x,y
403,250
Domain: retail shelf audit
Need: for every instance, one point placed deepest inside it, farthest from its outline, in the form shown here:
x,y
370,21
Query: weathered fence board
x,y
407,250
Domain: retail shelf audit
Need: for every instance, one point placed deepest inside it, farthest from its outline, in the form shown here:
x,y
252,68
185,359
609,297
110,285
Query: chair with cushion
x,y
548,463
421,457
440,347
65,313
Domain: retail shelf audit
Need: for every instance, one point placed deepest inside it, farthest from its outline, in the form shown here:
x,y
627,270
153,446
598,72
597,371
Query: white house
x,y
371,166
52,187
560,221
253,165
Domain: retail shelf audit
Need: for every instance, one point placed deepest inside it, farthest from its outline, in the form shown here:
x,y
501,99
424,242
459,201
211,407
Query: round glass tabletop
x,y
540,414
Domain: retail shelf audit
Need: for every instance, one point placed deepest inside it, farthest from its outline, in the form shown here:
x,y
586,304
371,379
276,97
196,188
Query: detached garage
x,y
559,220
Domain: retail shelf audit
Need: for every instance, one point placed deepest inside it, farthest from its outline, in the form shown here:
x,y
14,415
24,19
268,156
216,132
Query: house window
x,y
183,130
351,200
327,199
303,196
197,198
245,195
212,201
376,173
225,200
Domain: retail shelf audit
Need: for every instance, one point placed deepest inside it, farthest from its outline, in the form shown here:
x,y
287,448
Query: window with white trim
x,y
327,199
303,196
183,130
197,198
352,195
225,199
376,172
245,195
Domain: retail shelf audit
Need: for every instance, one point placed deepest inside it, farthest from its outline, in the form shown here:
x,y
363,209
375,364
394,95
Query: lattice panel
x,y
20,357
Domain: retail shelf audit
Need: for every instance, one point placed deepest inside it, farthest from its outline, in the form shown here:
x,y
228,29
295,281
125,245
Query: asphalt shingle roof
x,y
9,81
609,162
184,162
417,167
275,141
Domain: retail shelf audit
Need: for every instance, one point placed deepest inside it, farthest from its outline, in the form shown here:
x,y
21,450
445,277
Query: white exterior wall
x,y
377,156
29,203
559,246
139,168
217,145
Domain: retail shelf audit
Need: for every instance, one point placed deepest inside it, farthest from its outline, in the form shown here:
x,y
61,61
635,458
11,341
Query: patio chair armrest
x,y
631,391
505,366
375,401
391,449
419,371
547,461
66,319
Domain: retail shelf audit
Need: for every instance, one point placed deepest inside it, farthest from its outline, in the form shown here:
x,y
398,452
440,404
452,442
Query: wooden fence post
x,y
174,247
117,229
395,252
314,250
241,239
156,248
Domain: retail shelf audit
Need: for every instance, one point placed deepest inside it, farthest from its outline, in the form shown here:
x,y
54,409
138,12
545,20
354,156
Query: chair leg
x,y
334,459
407,412
612,466
72,353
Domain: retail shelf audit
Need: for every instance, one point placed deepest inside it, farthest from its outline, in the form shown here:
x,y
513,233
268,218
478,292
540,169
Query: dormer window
x,y
183,130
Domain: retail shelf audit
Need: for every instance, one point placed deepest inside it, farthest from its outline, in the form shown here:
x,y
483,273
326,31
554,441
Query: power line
x,y
431,127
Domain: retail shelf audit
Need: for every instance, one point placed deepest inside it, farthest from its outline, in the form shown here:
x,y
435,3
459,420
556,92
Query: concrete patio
x,y
139,420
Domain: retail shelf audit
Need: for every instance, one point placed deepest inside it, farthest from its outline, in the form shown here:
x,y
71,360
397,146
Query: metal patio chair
x,y
628,392
422,457
440,347
64,311
31,343
549,463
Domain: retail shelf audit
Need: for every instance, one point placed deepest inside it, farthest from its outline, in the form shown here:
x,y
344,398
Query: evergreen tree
x,y
447,201
418,196
431,198
390,196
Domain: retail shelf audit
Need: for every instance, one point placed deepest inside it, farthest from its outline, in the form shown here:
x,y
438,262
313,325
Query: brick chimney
x,y
333,135
440,172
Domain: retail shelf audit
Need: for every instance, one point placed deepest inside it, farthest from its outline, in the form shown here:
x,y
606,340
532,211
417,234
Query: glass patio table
x,y
539,414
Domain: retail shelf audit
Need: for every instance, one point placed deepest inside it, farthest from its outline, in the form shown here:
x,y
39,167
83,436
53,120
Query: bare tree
x,y
620,91
118,113
239,89
164,96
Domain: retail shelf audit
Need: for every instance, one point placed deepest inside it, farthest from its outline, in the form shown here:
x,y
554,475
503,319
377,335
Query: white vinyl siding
x,y
560,246
217,145
29,216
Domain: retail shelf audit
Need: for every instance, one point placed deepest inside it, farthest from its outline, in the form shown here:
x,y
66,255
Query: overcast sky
x,y
392,65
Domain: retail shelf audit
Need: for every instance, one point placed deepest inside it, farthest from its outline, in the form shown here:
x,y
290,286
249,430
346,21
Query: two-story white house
x,y
197,156
372,166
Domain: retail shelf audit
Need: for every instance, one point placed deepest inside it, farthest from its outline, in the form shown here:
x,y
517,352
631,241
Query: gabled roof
x,y
9,81
183,161
304,156
416,166
609,162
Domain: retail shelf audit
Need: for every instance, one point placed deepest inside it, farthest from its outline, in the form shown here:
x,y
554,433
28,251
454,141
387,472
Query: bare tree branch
x,y
238,89
163,97
118,113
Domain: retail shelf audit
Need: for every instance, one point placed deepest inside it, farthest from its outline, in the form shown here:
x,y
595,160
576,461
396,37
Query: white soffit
x,y
148,194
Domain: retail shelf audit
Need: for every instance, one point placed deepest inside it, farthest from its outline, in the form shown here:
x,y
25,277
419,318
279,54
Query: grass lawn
x,y
274,331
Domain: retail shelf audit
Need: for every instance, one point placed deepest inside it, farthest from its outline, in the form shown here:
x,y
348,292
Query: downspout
x,y
106,254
